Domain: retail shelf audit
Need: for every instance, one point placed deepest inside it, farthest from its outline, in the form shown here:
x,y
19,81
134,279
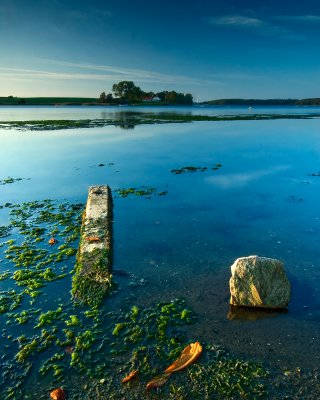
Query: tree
x,y
127,90
175,98
109,98
188,98
102,98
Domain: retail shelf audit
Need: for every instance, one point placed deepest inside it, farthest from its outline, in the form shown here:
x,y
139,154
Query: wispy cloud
x,y
75,71
236,21
141,75
258,25
301,18
19,73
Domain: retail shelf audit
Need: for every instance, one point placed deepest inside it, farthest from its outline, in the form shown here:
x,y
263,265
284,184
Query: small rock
x,y
259,282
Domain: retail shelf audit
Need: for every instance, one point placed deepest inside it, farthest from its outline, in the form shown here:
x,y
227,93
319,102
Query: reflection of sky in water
x,y
242,179
27,113
183,243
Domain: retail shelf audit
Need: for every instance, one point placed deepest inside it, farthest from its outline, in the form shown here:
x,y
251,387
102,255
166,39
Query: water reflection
x,y
253,314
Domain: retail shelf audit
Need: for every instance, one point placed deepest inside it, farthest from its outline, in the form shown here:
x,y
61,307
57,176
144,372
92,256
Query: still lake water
x,y
263,200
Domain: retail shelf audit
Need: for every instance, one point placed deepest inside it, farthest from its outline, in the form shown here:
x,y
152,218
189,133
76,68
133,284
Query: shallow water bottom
x,y
182,244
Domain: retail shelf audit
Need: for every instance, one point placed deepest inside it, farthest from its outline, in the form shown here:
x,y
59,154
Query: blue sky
x,y
212,49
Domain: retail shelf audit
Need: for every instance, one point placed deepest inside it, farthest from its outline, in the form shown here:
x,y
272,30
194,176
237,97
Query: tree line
x,y
127,92
264,102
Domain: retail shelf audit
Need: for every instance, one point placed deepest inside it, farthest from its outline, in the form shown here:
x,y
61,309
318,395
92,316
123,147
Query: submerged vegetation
x,y
142,191
178,171
49,340
129,119
89,341
37,262
8,180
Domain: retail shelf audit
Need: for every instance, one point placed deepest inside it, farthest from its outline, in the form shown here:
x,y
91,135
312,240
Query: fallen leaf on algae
x,y
92,239
57,394
52,241
187,357
131,376
157,381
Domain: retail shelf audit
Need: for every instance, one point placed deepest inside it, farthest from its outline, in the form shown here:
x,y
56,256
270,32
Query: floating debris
x,y
182,170
157,381
189,355
92,239
131,376
11,180
58,394
52,241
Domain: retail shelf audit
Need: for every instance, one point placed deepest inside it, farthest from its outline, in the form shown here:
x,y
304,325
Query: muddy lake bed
x,y
252,188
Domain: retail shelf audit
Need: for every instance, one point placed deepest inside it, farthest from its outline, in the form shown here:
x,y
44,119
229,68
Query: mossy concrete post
x,y
93,272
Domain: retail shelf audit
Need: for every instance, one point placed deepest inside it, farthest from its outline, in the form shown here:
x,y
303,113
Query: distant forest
x,y
126,92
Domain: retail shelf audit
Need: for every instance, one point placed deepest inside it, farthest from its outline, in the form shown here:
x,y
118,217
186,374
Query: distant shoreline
x,y
87,101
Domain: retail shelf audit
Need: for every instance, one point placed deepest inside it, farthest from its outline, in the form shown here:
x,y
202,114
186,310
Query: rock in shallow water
x,y
259,282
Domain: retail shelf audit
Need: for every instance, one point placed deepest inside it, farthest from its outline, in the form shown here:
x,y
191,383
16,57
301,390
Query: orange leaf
x,y
131,376
157,381
187,357
93,239
57,394
52,241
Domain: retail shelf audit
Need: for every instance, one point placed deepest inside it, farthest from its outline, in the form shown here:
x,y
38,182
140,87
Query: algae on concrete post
x,y
93,273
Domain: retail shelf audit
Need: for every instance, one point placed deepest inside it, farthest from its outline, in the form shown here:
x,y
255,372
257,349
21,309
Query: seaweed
x,y
91,288
179,171
129,120
47,318
142,191
9,180
5,231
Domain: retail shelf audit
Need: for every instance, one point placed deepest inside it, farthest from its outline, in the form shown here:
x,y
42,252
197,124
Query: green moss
x,y
5,231
10,180
134,312
93,313
75,359
24,316
72,321
4,275
9,300
226,377
91,287
69,334
182,170
27,350
47,318
118,328
185,314
131,119
85,340
142,191
54,365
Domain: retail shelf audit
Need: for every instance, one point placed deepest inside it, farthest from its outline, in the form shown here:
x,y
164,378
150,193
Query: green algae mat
x,y
49,342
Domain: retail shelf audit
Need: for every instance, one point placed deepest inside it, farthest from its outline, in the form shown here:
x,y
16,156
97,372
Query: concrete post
x,y
93,274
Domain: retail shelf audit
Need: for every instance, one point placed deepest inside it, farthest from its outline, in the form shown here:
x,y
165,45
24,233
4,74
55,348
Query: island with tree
x,y
126,92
